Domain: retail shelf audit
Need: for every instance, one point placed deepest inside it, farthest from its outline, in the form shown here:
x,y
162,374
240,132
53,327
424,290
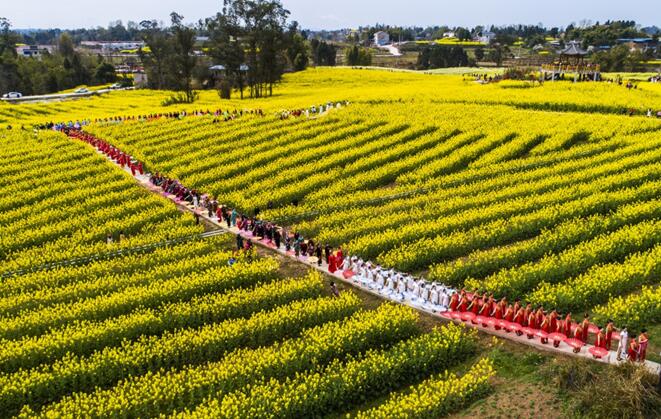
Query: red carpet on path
x,y
557,336
598,352
348,274
481,319
575,343
514,327
467,316
528,331
541,334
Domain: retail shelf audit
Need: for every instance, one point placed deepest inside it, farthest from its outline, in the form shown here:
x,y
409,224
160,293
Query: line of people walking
x,y
477,308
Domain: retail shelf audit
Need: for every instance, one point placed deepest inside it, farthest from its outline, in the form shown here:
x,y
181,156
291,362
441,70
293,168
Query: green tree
x,y
479,53
156,60
358,56
105,73
297,51
249,39
9,74
184,58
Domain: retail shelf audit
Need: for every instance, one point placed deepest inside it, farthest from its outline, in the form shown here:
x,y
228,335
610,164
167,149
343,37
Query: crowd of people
x,y
312,110
115,154
536,322
218,114
475,307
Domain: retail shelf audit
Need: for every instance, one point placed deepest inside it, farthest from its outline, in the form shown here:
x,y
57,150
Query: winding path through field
x,y
564,349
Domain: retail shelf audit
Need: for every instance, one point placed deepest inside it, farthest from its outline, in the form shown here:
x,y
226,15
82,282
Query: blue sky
x,y
326,14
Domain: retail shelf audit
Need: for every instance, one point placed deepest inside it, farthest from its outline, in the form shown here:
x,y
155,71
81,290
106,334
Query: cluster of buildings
x,y
112,46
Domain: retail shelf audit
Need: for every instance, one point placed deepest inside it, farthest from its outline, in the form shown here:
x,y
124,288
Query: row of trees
x,y
251,45
437,56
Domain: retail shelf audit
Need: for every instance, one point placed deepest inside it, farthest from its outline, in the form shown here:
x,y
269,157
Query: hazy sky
x,y
327,14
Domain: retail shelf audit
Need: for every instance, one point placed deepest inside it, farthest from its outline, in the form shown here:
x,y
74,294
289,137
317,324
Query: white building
x,y
381,38
34,51
486,37
113,45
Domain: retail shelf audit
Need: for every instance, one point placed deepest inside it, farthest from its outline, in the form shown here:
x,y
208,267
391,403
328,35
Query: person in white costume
x,y
401,288
433,296
444,297
354,265
622,345
346,265
424,292
410,283
389,283
380,281
414,292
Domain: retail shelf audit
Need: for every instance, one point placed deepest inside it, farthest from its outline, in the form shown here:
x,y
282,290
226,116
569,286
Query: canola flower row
x,y
340,210
183,347
85,337
437,396
381,239
341,385
553,268
634,310
128,263
452,244
69,283
217,279
482,263
60,201
429,206
600,282
166,392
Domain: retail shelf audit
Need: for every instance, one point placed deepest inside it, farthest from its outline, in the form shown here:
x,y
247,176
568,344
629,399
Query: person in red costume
x,y
463,302
517,305
610,329
585,326
642,345
454,302
553,320
559,328
332,266
475,306
486,308
509,314
578,334
632,352
600,339
545,326
567,325
497,314
532,323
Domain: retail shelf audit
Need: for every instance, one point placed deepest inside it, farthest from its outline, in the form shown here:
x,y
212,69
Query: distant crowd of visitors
x,y
312,110
219,115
